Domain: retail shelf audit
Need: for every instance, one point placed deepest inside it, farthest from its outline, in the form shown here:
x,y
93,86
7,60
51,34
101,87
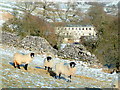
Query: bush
x,y
106,47
31,25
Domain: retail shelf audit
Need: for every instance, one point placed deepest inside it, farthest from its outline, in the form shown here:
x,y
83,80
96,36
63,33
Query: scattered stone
x,y
33,43
77,52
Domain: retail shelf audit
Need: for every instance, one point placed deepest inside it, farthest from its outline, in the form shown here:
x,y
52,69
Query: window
x,y
82,28
79,28
76,28
65,28
89,28
67,34
89,33
86,28
72,28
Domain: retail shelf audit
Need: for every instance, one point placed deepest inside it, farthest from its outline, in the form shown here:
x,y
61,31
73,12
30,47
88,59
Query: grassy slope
x,y
38,77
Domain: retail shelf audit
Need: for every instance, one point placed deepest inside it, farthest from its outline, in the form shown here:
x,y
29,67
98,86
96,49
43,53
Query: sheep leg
x,y
26,65
51,69
70,79
18,66
45,67
70,76
59,75
14,65
55,77
48,69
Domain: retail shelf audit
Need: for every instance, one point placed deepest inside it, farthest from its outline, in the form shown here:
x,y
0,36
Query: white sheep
x,y
65,69
48,63
22,59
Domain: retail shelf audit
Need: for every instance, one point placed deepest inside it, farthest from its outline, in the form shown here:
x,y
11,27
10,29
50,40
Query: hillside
x,y
36,76
30,27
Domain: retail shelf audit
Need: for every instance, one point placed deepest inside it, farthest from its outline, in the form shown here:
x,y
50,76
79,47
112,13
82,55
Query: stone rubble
x,y
78,52
32,43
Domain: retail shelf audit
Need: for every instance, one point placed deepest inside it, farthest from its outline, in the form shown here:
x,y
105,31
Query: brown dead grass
x,y
107,70
6,16
30,70
84,77
42,72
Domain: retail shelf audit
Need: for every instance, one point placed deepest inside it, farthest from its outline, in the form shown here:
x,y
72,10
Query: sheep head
x,y
49,58
32,55
72,64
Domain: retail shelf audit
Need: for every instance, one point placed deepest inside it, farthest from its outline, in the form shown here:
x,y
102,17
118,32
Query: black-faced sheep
x,y
48,63
67,70
22,59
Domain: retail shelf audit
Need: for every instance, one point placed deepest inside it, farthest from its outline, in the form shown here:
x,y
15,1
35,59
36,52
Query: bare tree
x,y
50,11
71,13
27,7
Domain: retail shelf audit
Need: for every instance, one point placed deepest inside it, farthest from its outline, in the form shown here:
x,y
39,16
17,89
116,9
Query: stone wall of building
x,y
76,32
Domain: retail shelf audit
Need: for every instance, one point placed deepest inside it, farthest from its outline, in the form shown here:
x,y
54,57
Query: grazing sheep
x,y
20,59
48,63
67,70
